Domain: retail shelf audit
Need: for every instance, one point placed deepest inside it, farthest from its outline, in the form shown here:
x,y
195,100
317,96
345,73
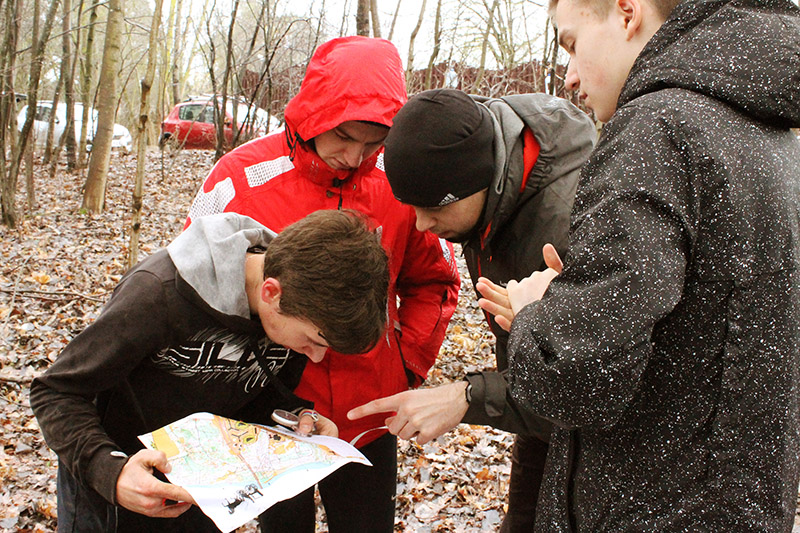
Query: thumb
x,y
551,258
154,459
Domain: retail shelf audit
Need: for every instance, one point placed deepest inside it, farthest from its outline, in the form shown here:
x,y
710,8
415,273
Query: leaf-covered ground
x,y
59,266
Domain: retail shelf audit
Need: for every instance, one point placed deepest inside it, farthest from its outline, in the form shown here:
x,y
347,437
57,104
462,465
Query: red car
x,y
191,124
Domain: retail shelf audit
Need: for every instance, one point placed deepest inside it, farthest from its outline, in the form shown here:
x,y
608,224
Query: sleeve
x,y
492,405
427,286
577,355
132,325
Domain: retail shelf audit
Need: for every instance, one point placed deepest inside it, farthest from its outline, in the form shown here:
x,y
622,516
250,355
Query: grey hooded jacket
x,y
175,338
521,215
667,353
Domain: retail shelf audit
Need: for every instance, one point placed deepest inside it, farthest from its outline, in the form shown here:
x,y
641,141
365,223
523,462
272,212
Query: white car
x,y
121,140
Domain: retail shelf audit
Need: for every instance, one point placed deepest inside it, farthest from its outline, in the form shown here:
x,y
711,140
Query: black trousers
x,y
357,498
82,510
527,469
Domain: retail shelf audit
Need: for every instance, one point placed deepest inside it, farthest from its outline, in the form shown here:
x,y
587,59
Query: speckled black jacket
x,y
666,352
521,215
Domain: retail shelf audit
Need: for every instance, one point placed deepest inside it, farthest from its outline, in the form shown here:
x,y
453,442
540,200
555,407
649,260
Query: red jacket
x,y
277,180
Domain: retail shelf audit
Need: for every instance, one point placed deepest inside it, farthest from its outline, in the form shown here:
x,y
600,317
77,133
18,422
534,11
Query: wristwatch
x,y
468,392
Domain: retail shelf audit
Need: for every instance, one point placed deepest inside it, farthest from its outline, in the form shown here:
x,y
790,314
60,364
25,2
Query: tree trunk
x,y
10,183
97,176
414,32
49,150
177,50
484,47
362,18
69,86
437,44
141,141
7,107
220,105
86,82
30,187
394,19
376,24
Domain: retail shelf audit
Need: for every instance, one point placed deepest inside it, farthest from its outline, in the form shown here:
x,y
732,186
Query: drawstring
x,y
339,183
292,142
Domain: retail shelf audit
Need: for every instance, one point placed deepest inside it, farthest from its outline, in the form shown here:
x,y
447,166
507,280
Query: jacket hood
x,y
350,78
745,53
210,255
565,134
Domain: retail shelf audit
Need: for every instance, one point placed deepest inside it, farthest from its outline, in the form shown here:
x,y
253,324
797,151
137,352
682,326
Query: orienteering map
x,y
235,470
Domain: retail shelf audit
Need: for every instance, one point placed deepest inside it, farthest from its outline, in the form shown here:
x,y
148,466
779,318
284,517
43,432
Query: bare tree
x,y
97,176
437,44
362,18
7,100
141,141
373,14
414,32
485,45
9,184
69,86
87,65
394,19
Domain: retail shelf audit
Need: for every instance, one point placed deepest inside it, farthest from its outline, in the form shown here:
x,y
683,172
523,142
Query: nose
x,y
353,155
572,80
424,222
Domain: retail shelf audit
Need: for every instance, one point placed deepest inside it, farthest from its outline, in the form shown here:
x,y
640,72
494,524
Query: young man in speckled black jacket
x,y
212,323
497,175
665,352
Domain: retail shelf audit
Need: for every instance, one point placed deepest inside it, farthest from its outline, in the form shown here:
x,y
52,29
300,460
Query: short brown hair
x,y
333,272
601,7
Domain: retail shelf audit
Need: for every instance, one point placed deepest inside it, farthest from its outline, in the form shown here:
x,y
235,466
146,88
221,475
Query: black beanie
x,y
439,149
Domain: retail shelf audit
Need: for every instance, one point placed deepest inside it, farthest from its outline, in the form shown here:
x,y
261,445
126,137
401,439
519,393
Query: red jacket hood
x,y
349,78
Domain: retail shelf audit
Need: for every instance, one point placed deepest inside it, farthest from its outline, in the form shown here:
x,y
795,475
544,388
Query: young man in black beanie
x,y
498,176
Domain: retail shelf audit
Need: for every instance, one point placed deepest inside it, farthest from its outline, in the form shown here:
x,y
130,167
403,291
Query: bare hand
x,y
505,303
422,413
141,492
495,302
323,426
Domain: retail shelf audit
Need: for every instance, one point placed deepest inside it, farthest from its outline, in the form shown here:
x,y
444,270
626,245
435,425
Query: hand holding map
x,y
235,470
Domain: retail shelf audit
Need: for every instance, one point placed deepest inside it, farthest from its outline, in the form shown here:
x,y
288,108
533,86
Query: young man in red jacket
x,y
330,157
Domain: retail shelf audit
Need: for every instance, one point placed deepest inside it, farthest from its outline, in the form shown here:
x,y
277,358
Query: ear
x,y
630,14
271,290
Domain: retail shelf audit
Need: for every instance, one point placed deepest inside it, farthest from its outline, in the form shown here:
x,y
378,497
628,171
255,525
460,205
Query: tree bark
x,y
86,82
69,85
376,24
362,18
141,141
97,176
414,32
484,47
7,107
437,44
394,19
10,183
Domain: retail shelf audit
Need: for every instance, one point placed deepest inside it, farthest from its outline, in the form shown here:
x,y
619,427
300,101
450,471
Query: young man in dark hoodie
x,y
205,325
497,175
666,352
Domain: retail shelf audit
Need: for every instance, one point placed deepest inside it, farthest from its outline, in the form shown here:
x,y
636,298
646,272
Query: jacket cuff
x,y
488,397
104,470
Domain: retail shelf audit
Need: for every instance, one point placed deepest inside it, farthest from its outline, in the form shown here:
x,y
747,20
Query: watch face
x,y
285,418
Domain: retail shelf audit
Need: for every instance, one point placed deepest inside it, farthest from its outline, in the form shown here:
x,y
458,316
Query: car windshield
x,y
197,112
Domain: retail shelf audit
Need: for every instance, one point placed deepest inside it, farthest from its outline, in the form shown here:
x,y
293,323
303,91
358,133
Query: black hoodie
x,y
666,353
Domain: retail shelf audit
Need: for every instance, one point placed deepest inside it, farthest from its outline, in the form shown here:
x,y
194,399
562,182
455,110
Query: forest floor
x,y
59,266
